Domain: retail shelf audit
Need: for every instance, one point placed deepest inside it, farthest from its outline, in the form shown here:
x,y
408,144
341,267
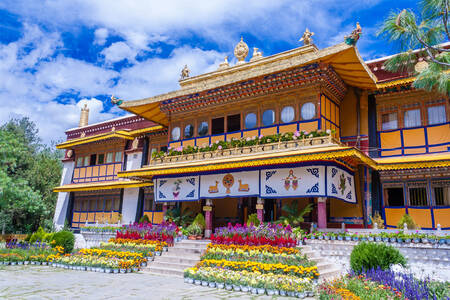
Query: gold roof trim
x,y
94,186
122,134
413,162
324,153
345,60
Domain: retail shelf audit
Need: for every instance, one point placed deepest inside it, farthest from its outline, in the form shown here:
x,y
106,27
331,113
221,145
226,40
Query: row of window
x,y
417,194
287,115
413,118
98,159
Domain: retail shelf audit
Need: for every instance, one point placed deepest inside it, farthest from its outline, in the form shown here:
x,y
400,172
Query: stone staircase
x,y
184,254
327,270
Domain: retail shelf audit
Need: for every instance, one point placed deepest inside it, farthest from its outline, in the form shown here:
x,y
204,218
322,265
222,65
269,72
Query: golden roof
x,y
121,134
94,186
413,162
344,59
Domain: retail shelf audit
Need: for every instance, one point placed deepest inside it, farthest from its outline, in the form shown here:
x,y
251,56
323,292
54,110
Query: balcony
x,y
103,172
248,151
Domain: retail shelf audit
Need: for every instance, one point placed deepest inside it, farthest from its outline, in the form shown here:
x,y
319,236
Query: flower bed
x,y
379,284
164,232
393,237
245,281
26,253
265,234
267,254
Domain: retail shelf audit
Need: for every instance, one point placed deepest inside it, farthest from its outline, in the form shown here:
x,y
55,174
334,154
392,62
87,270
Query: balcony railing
x,y
103,172
279,147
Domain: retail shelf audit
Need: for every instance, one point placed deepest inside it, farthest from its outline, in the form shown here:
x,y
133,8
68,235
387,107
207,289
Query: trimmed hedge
x,y
65,239
366,256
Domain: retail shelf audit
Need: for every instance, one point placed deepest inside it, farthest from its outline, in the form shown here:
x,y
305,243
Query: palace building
x,y
308,125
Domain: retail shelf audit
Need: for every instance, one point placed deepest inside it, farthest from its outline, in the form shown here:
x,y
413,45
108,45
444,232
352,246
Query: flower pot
x,y
129,270
300,295
378,239
432,241
386,240
116,271
320,237
212,284
245,288
123,270
190,280
393,240
326,237
424,240
348,238
144,264
33,262
135,269
44,263
399,240
205,283
441,241
198,237
407,240
270,292
291,294
220,285
355,239
340,238
158,253
236,287
27,262
370,238
197,282
228,287
261,291
333,238
283,293
20,263
13,263
254,291
310,293
416,240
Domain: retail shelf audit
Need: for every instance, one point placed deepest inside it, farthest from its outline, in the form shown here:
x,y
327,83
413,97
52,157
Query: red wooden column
x,y
322,212
164,209
260,209
208,218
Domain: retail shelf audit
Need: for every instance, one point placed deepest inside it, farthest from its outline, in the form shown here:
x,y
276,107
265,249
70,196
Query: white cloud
x,y
101,34
118,51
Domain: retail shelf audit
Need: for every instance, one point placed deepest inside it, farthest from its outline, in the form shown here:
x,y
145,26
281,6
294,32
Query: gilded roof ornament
x,y
116,101
307,37
224,64
256,54
241,51
354,36
185,72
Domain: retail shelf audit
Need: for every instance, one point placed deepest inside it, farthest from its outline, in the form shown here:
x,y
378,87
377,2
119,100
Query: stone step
x,y
190,245
185,259
168,265
324,266
186,250
329,274
164,271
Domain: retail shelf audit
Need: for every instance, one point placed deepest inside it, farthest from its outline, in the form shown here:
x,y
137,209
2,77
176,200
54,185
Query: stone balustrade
x,y
279,147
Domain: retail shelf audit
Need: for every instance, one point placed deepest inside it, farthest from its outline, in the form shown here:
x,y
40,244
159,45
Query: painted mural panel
x,y
306,181
341,184
177,189
236,184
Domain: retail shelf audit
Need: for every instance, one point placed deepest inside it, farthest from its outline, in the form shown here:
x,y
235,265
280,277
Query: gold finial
x,y
307,37
84,116
241,51
224,64
185,72
256,54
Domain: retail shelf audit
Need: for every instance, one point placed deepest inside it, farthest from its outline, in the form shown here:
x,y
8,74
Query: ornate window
x,y
436,115
118,156
412,118
203,129
250,121
86,161
287,114
308,111
268,117
176,132
393,194
441,190
109,157
389,121
188,131
417,192
80,161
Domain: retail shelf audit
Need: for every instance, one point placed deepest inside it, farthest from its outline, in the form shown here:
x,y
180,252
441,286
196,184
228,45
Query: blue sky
x,y
57,55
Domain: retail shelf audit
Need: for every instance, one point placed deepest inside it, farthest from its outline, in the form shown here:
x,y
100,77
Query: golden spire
x,y
84,116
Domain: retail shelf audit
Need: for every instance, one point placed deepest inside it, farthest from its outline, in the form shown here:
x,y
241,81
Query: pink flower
x,y
220,147
261,136
168,148
296,133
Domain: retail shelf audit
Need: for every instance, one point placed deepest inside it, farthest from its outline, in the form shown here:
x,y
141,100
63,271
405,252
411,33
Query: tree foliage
x,y
294,213
28,173
426,33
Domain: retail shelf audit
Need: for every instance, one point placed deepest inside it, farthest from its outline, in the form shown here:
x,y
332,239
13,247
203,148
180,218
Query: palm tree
x,y
294,214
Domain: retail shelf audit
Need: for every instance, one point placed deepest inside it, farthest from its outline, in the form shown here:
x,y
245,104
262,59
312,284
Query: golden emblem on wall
x,y
69,153
228,181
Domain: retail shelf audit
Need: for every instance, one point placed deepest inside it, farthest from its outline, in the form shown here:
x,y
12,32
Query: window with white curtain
x,y
287,114
436,115
412,118
308,111
389,121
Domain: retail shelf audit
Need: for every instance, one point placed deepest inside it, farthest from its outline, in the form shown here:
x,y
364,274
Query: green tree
x,y
294,213
426,32
28,173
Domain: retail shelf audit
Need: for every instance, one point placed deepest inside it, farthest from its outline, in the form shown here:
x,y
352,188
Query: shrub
x,y
253,218
48,237
367,256
144,219
39,235
409,222
200,220
64,239
194,229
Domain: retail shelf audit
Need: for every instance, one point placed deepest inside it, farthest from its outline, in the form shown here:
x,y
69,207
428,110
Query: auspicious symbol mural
x,y
213,188
176,189
291,181
228,181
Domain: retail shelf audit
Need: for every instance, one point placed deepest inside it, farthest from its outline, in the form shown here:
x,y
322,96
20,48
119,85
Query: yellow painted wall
x,y
393,215
442,216
438,134
308,126
422,217
348,114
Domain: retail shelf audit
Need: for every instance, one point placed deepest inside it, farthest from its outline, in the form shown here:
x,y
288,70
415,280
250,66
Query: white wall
x,y
134,161
63,198
129,205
